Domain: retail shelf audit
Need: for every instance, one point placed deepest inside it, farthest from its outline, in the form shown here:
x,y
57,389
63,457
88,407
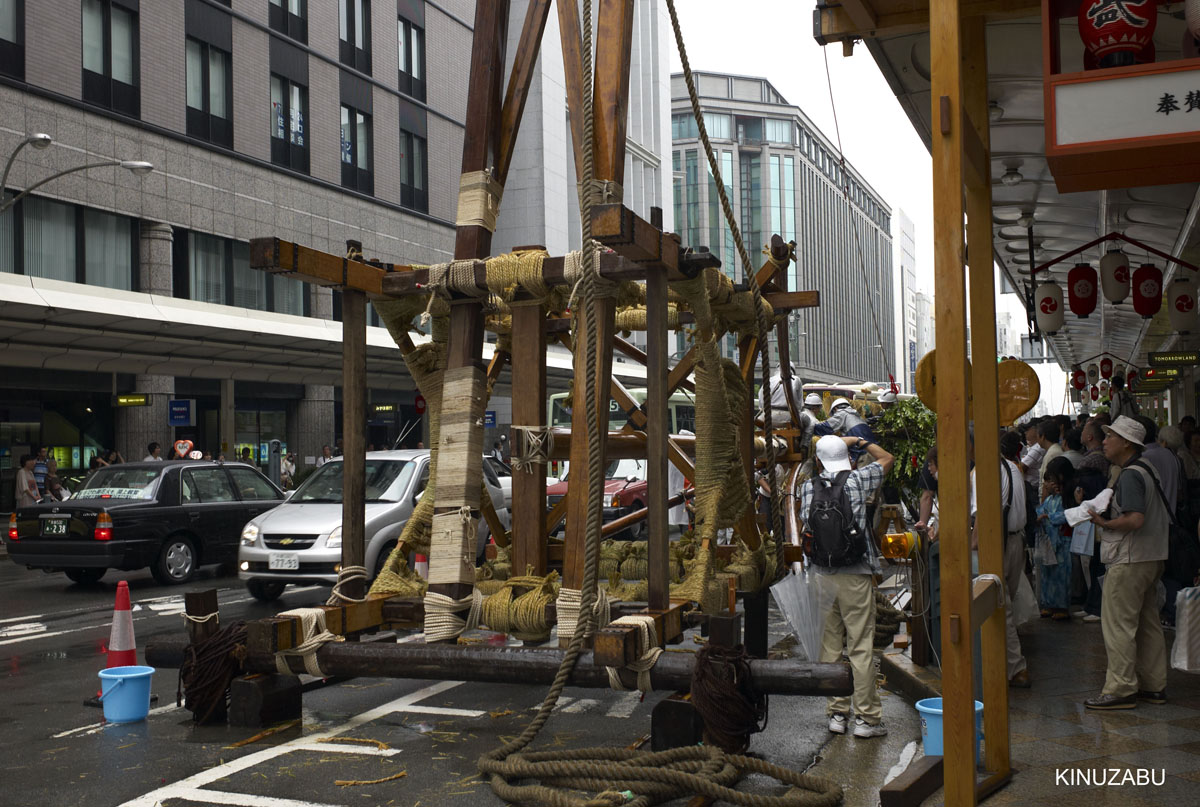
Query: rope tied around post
x,y
479,197
724,694
347,575
208,668
315,635
648,652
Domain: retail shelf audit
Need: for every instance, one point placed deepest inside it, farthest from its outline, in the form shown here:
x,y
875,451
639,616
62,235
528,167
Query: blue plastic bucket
x,y
930,710
125,693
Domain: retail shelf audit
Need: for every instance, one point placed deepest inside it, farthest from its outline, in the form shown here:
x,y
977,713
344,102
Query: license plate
x,y
55,526
284,561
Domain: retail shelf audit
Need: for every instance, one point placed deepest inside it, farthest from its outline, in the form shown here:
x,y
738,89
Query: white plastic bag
x,y
1043,551
1185,653
1024,604
1083,538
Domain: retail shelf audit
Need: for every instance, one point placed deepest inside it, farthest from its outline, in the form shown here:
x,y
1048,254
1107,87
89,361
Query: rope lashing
x,y
521,614
200,620
455,276
315,636
346,575
442,620
208,667
648,652
724,694
534,446
479,197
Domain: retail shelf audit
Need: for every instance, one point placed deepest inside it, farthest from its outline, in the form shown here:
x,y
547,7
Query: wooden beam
x,y
657,431
529,409
861,14
354,435
678,376
635,353
791,300
620,229
571,36
919,781
518,84
992,532
747,527
836,23
610,96
975,156
958,725
313,266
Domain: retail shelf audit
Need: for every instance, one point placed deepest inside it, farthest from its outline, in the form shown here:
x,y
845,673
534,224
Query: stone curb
x,y
906,678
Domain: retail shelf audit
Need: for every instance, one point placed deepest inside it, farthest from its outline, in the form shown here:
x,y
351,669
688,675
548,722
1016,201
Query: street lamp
x,y
41,141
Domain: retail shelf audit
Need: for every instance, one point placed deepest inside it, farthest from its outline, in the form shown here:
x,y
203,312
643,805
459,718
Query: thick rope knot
x,y
648,652
315,635
442,615
534,446
479,197
346,575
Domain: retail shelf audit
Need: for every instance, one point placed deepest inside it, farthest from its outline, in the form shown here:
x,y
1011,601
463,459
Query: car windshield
x,y
120,482
623,469
386,482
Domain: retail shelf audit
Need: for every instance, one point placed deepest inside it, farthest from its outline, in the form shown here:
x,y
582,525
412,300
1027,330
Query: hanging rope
x,y
208,668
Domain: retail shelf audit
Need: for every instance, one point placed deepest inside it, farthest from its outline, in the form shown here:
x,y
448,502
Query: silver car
x,y
300,541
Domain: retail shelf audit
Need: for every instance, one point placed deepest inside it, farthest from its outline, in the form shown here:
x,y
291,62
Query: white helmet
x,y
887,397
838,404
812,399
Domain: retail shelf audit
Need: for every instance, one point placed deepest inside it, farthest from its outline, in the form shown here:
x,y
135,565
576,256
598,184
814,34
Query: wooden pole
x,y
614,40
747,527
354,412
203,605
529,409
990,529
657,428
952,405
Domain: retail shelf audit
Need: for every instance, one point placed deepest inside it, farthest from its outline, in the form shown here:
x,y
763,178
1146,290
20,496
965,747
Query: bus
x,y
681,408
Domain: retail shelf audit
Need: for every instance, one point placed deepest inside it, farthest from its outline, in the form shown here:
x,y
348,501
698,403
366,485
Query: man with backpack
x,y
833,507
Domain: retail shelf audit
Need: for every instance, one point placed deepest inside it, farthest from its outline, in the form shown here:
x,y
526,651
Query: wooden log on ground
x,y
536,666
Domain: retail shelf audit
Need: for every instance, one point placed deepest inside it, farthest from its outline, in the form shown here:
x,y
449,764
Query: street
x,y
57,751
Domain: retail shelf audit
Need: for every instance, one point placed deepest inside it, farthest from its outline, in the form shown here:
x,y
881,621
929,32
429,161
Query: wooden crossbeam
x,y
277,256
518,84
283,633
620,229
842,21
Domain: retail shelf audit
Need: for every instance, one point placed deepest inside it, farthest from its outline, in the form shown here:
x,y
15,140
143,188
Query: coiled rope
x,y
207,669
723,693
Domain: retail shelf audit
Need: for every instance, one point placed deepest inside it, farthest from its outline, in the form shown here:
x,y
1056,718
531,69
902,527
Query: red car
x,y
624,492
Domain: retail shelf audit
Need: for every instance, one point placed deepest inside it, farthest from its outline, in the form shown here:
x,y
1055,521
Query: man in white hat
x,y
1133,548
853,610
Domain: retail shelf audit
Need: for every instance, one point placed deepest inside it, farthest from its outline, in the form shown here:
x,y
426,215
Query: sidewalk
x,y
1053,736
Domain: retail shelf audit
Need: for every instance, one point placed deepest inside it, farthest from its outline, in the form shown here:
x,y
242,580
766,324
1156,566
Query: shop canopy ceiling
x,y
1164,216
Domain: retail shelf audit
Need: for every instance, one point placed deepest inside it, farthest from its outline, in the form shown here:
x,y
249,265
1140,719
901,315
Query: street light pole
x,y
41,141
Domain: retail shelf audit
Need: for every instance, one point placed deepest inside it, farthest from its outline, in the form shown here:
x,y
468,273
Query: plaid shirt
x,y
860,484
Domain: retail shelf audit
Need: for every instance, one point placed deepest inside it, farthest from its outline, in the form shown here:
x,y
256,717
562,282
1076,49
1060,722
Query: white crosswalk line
x,y
581,705
626,705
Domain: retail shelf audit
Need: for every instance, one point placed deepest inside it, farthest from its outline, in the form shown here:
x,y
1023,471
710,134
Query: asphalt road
x,y
58,752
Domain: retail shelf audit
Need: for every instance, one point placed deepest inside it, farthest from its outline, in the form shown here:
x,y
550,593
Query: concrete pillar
x,y
156,275
314,425
226,418
138,426
322,302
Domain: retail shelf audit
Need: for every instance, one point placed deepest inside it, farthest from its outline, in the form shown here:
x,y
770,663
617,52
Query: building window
x,y
211,269
683,127
692,178
354,32
110,56
209,89
750,175
290,17
289,111
12,38
778,131
411,44
356,151
717,125
48,239
414,172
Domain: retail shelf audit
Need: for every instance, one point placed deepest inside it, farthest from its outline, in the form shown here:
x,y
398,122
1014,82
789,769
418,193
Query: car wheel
x,y
176,562
639,529
85,577
265,590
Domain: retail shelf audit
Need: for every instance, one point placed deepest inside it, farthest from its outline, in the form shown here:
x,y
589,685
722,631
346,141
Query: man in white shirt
x,y
1048,436
1031,457
153,453
326,456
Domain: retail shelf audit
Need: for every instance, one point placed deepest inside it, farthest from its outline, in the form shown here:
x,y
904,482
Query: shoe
x,y
1020,680
1059,616
837,723
1092,618
1045,612
1152,697
864,729
1078,612
1111,702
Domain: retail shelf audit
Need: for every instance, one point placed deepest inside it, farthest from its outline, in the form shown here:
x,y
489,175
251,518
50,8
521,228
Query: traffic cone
x,y
421,566
122,647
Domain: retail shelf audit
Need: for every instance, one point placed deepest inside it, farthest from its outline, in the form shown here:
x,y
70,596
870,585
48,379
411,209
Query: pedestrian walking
x,y
326,455
27,489
41,468
833,505
1134,548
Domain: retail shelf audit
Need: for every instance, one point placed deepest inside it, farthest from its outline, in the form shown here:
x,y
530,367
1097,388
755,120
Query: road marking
x,y
562,702
442,710
321,748
158,710
23,629
626,705
581,705
190,788
42,635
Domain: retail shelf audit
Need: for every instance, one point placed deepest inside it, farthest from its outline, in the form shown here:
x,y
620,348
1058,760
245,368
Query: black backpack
x,y
834,539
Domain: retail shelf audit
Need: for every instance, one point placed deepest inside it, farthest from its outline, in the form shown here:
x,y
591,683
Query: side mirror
x,y
417,496
287,494
632,478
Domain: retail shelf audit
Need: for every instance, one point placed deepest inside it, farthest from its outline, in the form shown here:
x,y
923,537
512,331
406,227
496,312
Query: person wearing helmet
x,y
844,420
887,399
809,418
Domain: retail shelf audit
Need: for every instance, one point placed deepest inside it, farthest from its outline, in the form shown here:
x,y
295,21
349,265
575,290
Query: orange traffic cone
x,y
122,647
421,565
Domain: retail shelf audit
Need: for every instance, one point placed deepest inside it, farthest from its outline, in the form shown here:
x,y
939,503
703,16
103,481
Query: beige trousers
x,y
1133,637
1014,567
853,616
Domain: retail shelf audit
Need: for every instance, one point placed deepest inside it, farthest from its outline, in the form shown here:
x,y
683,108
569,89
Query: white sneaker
x,y
837,723
1091,618
865,729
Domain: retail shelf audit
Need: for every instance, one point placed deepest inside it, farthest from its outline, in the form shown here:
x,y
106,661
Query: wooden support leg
x,y
354,434
202,605
659,580
953,447
747,528
991,530
529,409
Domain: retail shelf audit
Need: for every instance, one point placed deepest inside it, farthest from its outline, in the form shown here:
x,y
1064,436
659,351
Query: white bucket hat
x,y
1128,429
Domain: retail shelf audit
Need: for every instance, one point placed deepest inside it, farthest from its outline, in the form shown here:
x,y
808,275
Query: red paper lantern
x,y
1147,290
1117,33
1106,368
1078,379
1095,393
1081,289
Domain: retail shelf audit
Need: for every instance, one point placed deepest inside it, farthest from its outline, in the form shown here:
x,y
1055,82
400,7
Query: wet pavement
x,y
1064,754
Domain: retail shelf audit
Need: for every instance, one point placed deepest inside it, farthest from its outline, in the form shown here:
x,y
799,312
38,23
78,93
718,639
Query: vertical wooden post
x,y
985,402
952,403
354,460
529,409
656,439
614,40
747,527
198,605
464,354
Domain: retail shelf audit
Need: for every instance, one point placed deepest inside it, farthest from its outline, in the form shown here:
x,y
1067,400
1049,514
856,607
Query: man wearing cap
x,y
853,610
1133,547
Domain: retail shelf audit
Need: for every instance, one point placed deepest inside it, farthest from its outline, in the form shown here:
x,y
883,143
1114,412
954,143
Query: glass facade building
x,y
783,176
